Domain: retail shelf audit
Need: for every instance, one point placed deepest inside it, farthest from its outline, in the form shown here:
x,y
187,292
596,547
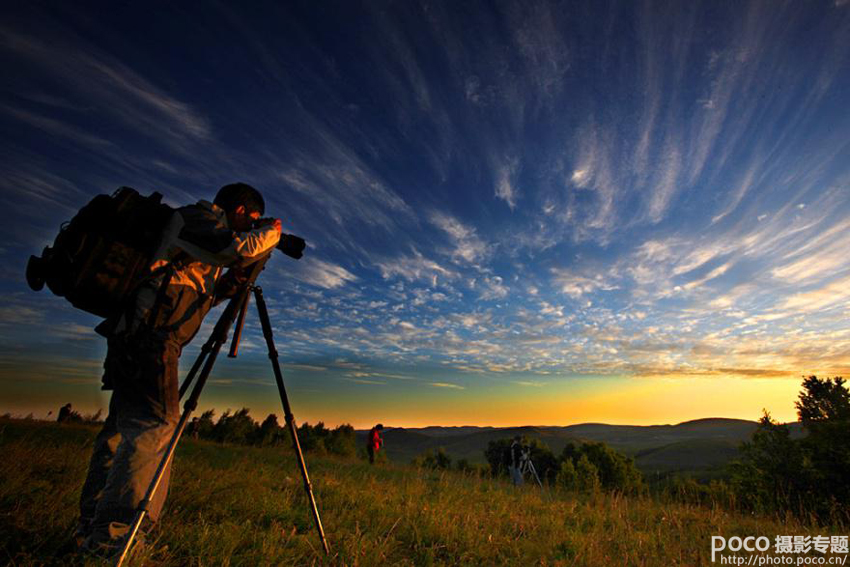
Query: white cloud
x,y
321,273
744,185
447,385
505,185
715,273
344,188
467,245
576,285
822,254
831,295
580,177
493,288
666,183
365,382
414,267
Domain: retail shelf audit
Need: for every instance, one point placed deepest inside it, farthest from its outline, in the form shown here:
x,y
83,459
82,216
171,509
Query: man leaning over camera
x,y
143,347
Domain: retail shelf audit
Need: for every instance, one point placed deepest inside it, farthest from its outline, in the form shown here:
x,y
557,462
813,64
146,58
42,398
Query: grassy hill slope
x,y
246,506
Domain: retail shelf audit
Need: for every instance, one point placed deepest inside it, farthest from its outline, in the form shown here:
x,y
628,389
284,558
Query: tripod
x,y
527,466
236,307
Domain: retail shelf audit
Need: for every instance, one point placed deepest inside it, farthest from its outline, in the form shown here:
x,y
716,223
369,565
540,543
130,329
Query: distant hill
x,y
693,447
696,457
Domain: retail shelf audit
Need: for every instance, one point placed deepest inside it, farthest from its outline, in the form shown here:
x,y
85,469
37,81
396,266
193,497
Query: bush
x,y
567,476
436,461
587,475
342,441
614,471
545,462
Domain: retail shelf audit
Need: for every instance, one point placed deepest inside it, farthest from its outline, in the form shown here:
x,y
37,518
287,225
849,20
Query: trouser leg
x,y
102,457
146,400
516,476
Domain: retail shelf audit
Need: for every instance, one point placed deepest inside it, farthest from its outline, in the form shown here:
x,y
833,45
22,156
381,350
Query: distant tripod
x,y
236,307
526,466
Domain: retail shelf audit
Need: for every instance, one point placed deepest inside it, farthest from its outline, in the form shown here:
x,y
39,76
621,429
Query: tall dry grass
x,y
246,506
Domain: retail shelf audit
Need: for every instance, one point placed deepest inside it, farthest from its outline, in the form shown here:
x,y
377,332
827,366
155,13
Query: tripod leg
x,y
218,338
534,471
290,419
237,332
202,356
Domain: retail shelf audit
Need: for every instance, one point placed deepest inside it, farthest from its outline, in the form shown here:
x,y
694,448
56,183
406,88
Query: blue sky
x,y
517,212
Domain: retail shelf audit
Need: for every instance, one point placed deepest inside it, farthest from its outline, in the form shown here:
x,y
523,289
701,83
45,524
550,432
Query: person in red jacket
x,y
374,443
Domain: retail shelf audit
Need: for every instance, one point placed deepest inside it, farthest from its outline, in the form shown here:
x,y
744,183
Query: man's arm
x,y
206,237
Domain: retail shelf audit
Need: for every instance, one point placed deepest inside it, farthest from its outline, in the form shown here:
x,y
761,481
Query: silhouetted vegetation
x,y
69,415
808,476
498,457
613,470
587,466
431,460
241,429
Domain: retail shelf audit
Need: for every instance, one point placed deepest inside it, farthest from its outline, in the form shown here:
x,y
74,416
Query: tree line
x,y
240,428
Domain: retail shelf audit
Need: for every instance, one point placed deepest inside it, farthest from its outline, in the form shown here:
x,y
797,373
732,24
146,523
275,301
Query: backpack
x,y
104,252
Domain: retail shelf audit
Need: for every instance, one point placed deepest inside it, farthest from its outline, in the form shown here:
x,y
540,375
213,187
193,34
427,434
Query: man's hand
x,y
278,226
239,275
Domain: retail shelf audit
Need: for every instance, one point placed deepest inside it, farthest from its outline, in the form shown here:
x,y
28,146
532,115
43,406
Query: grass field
x,y
246,506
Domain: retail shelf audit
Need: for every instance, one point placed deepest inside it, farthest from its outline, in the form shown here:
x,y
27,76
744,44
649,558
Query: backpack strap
x,y
168,269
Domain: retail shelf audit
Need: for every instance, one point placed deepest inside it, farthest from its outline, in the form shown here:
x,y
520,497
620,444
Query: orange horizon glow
x,y
614,401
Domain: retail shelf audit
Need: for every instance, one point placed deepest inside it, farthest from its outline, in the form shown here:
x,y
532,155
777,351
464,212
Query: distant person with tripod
x,y
516,460
374,442
144,344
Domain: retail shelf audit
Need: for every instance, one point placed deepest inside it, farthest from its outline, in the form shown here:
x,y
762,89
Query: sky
x,y
517,213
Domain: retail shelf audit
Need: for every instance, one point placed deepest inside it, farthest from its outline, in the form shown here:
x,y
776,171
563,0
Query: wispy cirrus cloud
x,y
344,189
447,385
414,267
506,188
466,244
365,382
575,285
833,294
97,77
320,273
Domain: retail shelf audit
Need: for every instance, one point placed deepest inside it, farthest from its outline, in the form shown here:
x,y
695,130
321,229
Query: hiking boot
x,y
107,543
75,543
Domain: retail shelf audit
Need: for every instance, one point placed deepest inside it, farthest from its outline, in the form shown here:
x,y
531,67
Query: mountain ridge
x,y
699,446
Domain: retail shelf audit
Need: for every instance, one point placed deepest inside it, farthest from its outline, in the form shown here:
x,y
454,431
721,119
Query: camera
x,y
291,245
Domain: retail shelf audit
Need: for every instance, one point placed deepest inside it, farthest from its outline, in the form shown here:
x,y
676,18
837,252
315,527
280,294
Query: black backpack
x,y
104,252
